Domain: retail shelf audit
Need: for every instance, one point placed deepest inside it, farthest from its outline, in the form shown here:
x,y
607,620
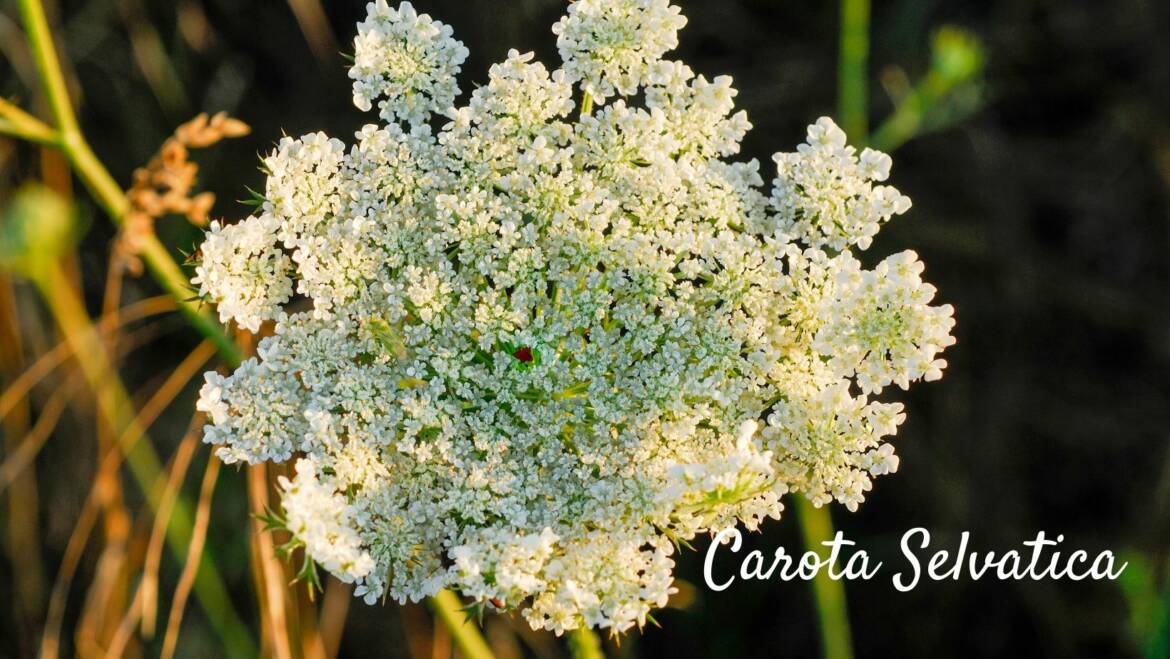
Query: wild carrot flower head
x,y
520,349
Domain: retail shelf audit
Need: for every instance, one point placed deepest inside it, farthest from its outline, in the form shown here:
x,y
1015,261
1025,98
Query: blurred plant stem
x,y
584,644
957,60
465,634
816,526
115,407
853,57
21,125
67,136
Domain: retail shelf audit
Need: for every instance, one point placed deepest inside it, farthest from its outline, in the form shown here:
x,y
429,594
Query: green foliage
x,y
949,92
1149,605
37,227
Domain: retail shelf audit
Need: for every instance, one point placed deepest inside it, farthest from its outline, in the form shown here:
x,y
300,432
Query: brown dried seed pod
x,y
200,208
235,128
173,153
165,184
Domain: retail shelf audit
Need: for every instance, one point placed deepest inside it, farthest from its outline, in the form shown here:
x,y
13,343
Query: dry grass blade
x,y
51,639
104,593
314,25
144,607
194,555
312,646
158,533
271,572
126,627
166,393
30,445
145,601
152,58
441,645
334,609
159,401
54,357
22,541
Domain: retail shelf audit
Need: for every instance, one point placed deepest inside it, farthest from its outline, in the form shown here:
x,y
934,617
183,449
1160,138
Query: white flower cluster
x,y
824,193
407,60
609,46
535,347
244,272
322,519
869,316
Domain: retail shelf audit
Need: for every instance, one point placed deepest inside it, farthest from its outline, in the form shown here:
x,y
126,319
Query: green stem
x,y
115,407
17,123
851,69
466,636
19,131
816,526
44,52
584,644
906,120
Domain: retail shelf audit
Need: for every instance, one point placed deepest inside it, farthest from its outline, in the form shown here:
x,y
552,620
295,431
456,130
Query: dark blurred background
x,y
1043,214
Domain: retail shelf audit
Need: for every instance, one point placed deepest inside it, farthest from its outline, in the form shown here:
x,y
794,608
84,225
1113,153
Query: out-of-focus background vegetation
x,y
1033,137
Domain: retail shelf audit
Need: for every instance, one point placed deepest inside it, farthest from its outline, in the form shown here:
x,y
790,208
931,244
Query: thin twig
x,y
15,122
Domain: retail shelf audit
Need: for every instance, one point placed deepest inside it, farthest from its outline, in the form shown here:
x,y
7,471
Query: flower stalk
x,y
816,526
816,523
585,644
466,636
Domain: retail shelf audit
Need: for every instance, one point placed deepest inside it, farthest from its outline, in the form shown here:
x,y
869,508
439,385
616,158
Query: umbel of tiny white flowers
x,y
523,354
